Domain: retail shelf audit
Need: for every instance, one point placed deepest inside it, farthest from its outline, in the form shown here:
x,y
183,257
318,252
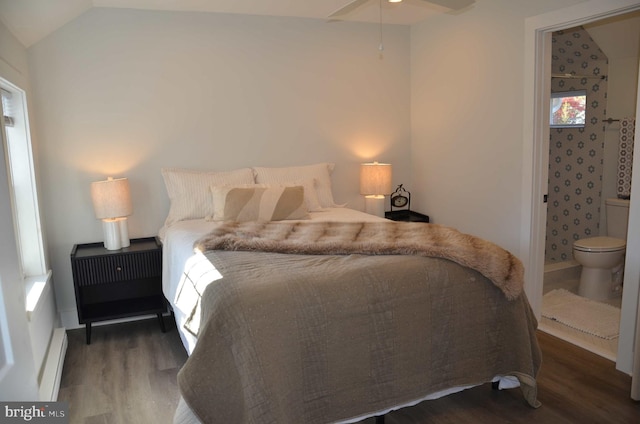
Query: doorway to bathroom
x,y
602,61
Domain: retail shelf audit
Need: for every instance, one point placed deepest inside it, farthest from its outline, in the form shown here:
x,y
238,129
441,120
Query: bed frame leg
x,y
380,419
495,385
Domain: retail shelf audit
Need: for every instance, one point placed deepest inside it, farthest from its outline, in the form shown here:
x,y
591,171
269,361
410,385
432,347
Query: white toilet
x,y
602,258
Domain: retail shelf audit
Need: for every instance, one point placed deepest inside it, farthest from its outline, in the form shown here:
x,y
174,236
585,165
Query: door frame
x,y
537,77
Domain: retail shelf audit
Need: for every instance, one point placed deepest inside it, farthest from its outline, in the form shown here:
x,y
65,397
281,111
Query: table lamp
x,y
375,183
112,204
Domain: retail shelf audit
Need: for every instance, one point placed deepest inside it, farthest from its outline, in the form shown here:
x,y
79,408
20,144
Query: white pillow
x,y
320,172
310,194
189,192
257,202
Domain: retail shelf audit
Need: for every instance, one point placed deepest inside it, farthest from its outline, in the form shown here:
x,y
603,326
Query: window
x,y
24,200
568,109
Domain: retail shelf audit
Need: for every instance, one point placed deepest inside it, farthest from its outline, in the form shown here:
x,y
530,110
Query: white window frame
x,y
24,196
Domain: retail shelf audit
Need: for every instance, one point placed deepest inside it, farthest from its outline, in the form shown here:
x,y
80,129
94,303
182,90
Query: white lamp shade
x,y
111,198
375,179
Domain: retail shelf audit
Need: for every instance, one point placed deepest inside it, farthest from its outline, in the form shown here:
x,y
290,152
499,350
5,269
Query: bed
x,y
292,330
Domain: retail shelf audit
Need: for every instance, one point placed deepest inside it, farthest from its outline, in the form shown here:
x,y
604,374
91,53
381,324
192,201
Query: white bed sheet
x,y
179,259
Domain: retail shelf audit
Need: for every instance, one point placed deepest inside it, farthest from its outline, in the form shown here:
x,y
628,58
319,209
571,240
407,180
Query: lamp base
x,y
111,229
374,205
124,232
116,233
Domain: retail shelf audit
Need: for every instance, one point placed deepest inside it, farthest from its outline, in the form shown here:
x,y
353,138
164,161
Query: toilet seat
x,y
600,244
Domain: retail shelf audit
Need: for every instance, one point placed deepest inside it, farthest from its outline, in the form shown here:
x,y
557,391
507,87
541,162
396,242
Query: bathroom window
x,y
568,109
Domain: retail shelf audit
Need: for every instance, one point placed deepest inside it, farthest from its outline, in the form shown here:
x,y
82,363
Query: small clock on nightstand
x,y
400,201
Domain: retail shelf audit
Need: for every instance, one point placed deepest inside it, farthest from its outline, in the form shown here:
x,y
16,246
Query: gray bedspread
x,y
357,335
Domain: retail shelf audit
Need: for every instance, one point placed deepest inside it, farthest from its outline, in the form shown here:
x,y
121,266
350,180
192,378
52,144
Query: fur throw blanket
x,y
372,238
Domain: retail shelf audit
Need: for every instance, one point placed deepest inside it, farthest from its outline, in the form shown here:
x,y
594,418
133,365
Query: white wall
x,y
19,380
124,93
619,38
466,110
621,98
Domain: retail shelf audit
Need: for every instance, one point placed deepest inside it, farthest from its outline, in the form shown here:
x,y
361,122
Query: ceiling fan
x,y
354,4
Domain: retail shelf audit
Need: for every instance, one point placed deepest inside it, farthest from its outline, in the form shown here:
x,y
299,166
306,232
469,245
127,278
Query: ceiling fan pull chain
x,y
381,48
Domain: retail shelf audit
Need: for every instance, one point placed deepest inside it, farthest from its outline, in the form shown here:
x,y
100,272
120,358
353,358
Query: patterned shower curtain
x,y
625,157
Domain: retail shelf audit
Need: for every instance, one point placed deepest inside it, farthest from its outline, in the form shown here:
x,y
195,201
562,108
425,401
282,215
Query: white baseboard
x,y
50,383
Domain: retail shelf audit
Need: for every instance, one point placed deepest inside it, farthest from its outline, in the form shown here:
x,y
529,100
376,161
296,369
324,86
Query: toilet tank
x,y
617,217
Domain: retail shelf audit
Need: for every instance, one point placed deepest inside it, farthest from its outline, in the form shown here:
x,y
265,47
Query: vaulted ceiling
x,y
32,20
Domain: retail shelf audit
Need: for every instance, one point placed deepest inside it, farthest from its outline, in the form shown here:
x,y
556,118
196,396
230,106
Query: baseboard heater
x,y
50,382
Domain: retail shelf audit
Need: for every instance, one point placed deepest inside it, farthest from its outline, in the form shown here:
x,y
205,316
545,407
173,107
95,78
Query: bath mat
x,y
582,314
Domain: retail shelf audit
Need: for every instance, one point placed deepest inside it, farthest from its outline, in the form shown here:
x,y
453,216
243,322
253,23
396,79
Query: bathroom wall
x,y
619,38
576,154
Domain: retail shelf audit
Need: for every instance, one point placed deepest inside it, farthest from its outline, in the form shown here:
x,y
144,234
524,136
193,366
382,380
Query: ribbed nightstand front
x,y
111,284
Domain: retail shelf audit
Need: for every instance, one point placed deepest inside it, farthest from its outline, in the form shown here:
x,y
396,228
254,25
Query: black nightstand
x,y
111,284
406,215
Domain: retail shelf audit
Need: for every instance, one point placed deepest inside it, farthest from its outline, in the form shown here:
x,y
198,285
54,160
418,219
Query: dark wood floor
x,y
128,375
